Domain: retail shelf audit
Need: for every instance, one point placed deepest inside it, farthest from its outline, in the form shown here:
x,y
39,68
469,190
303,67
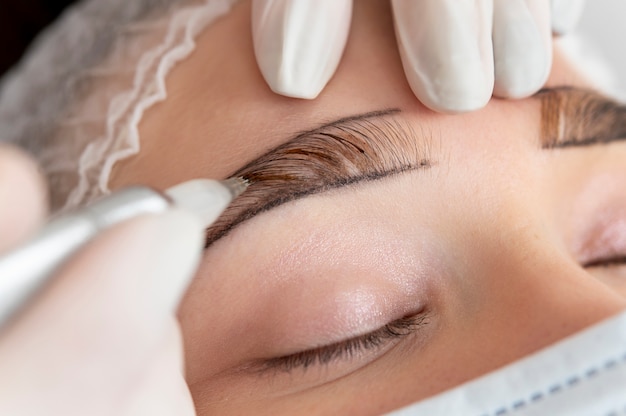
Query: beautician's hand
x,y
455,53
102,338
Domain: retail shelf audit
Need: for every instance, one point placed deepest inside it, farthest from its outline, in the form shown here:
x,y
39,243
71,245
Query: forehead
x,y
219,113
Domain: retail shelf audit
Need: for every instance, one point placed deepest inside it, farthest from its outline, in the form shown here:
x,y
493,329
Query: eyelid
x,y
348,349
616,261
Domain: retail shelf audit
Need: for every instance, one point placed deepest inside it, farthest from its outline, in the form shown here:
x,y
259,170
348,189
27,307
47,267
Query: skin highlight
x,y
489,240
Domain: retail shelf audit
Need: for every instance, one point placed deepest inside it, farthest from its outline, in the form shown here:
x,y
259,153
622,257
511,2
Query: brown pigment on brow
x,y
351,150
578,117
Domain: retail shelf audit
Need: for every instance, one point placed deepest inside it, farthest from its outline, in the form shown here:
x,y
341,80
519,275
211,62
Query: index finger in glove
x,y
298,44
86,343
23,198
163,391
522,47
447,51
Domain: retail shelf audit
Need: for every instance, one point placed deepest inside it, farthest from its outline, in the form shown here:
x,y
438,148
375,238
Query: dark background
x,y
20,22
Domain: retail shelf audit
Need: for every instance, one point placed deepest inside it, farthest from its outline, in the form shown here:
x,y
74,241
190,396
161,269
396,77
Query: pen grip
x,y
27,269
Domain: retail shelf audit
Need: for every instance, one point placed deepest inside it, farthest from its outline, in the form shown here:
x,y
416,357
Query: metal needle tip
x,y
236,186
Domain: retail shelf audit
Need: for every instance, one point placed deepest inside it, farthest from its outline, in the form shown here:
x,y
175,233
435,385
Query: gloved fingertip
x,y
115,300
518,85
565,15
23,194
298,44
522,47
461,89
449,70
150,259
176,251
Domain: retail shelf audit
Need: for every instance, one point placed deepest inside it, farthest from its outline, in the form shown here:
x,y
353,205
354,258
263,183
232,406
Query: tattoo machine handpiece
x,y
27,269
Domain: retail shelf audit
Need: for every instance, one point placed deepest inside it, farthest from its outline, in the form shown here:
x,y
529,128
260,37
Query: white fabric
x,y
581,375
76,101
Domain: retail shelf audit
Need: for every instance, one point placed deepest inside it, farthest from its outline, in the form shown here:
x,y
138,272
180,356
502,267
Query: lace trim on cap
x,y
127,109
77,100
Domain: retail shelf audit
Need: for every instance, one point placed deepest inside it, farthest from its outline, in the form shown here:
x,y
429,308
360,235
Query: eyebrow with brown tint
x,y
572,117
361,148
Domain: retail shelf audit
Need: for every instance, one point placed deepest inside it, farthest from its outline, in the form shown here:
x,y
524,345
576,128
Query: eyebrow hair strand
x,y
575,117
360,148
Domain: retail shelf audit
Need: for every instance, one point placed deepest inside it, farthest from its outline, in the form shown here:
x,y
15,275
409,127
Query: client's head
x,y
383,253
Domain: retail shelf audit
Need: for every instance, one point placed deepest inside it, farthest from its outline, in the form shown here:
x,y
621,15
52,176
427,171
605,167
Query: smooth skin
x,y
486,238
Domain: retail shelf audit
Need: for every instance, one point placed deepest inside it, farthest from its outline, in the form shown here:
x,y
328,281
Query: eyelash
x,y
611,262
349,348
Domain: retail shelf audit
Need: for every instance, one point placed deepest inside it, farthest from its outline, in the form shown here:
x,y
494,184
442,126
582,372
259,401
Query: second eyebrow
x,y
360,148
572,117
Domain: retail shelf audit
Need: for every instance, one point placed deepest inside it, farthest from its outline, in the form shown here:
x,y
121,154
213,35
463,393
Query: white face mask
x,y
584,374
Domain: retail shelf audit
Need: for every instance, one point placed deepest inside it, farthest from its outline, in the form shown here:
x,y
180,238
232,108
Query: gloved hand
x,y
456,54
102,338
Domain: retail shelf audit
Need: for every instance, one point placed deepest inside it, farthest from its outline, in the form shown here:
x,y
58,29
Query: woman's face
x,y
405,252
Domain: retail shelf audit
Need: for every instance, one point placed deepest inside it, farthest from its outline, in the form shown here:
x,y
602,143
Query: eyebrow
x,y
361,148
375,145
576,117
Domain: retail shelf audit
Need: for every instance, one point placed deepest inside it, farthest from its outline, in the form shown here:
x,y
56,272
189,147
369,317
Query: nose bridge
x,y
551,297
515,299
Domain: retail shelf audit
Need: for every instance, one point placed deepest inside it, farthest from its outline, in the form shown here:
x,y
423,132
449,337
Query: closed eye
x,y
373,342
616,261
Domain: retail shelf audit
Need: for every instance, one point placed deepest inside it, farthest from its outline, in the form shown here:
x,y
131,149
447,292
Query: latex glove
x,y
102,338
565,15
456,53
